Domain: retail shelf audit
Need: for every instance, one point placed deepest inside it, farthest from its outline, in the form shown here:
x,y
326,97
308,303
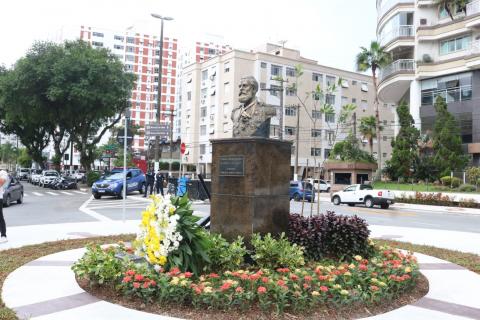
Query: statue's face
x,y
247,92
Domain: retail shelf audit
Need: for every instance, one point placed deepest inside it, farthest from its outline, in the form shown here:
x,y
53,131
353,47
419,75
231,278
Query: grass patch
x,y
416,187
14,258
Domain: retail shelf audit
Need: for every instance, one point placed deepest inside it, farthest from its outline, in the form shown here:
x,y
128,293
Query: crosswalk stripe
x,y
52,193
80,192
67,193
37,194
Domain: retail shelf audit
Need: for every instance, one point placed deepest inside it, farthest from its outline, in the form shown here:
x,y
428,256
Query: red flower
x,y
130,272
306,286
139,277
136,285
214,276
174,271
363,267
244,276
146,285
322,278
264,279
239,290
307,278
323,288
127,279
281,283
198,290
254,277
374,288
283,270
153,283
293,277
261,290
188,274
225,286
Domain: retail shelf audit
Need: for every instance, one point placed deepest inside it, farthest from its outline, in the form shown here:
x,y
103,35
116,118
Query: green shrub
x,y
467,188
446,181
275,253
175,165
330,236
163,165
456,182
224,255
99,265
92,176
473,174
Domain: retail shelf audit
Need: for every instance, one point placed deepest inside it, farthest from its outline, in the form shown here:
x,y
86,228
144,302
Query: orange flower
x,y
214,276
239,290
139,277
127,279
130,272
226,286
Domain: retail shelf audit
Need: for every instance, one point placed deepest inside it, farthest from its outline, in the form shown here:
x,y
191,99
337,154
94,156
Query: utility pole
x,y
354,118
171,144
282,112
297,133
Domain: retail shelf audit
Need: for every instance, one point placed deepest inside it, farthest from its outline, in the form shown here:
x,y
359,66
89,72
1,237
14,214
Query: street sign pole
x,y
124,165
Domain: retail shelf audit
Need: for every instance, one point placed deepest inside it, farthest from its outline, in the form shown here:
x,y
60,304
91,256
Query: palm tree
x,y
374,58
368,129
452,6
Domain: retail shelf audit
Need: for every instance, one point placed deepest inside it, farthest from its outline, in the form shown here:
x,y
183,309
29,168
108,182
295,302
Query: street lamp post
x,y
159,95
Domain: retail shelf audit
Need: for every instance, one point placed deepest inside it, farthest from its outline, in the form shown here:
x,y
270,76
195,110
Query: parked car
x,y
362,193
48,176
63,183
22,173
112,184
79,175
13,192
321,185
35,175
299,189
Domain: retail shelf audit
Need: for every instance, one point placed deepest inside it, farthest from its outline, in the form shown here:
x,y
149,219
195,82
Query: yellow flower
x,y
347,273
174,281
162,260
351,266
358,258
171,210
184,283
344,292
315,293
341,268
337,286
382,284
374,280
408,269
207,290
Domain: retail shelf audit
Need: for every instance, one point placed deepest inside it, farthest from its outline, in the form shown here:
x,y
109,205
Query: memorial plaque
x,y
231,166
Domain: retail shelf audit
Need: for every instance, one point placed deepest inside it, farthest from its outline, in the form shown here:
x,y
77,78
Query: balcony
x,y
473,7
389,4
403,31
395,80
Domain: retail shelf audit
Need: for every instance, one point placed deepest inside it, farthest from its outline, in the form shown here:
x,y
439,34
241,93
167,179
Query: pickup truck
x,y
362,193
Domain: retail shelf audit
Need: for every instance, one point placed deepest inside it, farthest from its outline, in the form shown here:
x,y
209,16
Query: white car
x,y
47,177
35,176
321,185
362,193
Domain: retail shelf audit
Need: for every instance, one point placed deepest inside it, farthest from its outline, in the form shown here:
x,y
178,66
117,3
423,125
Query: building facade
x,y
210,90
433,55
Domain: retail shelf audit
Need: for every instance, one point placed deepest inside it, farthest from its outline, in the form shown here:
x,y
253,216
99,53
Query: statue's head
x,y
248,89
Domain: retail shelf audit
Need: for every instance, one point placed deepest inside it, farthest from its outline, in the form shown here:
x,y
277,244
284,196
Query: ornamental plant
x,y
224,255
275,253
170,236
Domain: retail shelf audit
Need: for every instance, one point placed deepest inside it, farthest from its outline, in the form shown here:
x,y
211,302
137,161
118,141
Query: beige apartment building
x,y
433,55
210,90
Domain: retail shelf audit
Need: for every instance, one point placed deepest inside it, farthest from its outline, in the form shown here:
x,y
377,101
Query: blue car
x,y
112,184
298,189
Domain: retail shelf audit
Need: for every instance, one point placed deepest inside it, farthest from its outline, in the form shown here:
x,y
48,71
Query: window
x,y
276,70
344,101
203,131
275,90
263,85
130,40
66,157
97,34
226,88
364,87
315,152
212,51
290,111
330,117
453,88
293,149
203,112
226,67
330,99
456,44
329,135
130,49
385,122
316,133
189,96
263,65
289,131
354,100
384,155
384,138
204,75
97,44
129,58
118,38
290,72
317,77
330,80
326,153
116,46
344,83
364,105
317,96
290,92
203,148
316,114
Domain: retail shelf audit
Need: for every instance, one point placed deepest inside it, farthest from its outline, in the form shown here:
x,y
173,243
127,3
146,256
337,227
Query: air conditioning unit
x,y
423,22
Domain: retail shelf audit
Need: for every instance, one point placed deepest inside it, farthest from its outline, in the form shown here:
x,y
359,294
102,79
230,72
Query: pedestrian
x,y
4,180
150,181
159,182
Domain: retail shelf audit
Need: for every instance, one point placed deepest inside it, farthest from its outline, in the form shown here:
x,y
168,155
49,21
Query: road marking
x,y
382,212
67,193
80,192
92,213
52,193
37,194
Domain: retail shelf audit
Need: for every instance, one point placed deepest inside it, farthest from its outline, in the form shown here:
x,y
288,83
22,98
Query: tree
x,y
8,154
447,143
405,145
24,160
368,129
374,58
349,150
94,84
452,6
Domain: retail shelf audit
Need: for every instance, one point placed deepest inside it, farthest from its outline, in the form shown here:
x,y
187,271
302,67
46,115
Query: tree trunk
x,y
370,142
377,122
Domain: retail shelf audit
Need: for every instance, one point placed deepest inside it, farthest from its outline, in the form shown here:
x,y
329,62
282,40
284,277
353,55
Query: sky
x,y
329,31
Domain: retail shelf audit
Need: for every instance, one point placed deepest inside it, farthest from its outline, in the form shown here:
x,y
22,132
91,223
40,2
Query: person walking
x,y
4,179
150,181
159,183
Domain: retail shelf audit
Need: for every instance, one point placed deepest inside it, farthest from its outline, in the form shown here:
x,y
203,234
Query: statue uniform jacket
x,y
252,120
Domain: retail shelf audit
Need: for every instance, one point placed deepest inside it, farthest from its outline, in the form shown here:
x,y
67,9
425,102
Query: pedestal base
x,y
250,186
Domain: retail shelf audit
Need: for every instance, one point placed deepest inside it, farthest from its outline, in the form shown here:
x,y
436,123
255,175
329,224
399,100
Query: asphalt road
x,y
45,206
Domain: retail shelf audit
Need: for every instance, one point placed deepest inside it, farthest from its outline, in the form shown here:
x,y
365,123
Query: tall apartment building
x,y
210,90
433,55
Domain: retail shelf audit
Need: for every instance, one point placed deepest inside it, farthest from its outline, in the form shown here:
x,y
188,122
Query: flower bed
x,y
280,279
437,199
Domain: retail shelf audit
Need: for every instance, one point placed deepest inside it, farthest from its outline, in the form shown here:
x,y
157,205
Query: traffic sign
x,y
183,147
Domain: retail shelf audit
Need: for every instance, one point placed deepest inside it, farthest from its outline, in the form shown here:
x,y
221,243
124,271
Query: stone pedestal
x,y
250,186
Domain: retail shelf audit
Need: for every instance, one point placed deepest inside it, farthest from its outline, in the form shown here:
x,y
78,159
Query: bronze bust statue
x,y
252,117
